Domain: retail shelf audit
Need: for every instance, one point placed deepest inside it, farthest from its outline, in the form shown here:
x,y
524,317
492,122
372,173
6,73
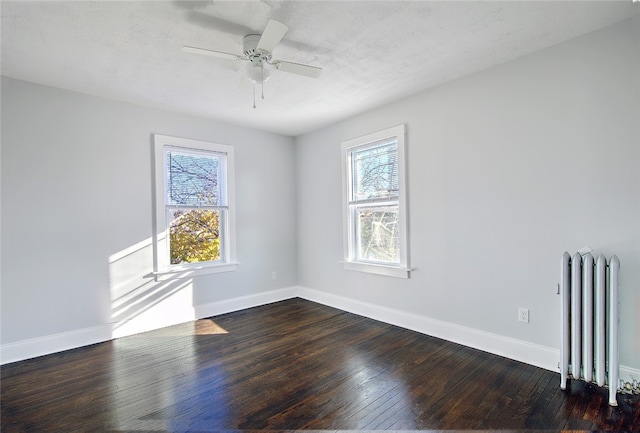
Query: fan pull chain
x,y
262,78
254,95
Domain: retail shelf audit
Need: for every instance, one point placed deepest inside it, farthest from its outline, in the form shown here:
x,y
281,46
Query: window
x,y
194,218
375,208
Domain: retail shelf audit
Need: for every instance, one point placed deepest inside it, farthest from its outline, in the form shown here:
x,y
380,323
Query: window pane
x,y
193,178
194,235
377,234
375,171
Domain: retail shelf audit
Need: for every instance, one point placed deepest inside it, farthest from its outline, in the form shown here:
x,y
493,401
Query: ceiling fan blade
x,y
297,68
212,53
272,35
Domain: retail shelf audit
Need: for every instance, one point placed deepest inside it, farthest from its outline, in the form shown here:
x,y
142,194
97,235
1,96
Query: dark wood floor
x,y
294,365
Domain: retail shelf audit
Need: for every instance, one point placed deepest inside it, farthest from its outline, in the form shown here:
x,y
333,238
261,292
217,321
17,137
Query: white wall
x,y
76,219
507,169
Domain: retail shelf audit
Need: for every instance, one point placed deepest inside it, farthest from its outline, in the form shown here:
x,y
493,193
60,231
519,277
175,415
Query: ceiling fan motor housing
x,y
250,51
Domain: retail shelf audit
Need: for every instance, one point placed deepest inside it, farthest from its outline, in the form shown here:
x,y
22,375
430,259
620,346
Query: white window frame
x,y
402,269
162,268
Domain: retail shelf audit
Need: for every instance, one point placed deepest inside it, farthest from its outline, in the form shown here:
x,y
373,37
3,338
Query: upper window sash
x,y
373,170
188,182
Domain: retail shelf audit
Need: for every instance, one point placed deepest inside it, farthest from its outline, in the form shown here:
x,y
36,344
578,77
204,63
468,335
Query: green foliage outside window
x,y
194,236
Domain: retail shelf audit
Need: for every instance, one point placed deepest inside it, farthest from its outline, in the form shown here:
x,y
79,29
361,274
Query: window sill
x,y
389,271
194,271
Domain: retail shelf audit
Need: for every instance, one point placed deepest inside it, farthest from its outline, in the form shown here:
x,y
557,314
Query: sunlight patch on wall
x,y
138,302
128,268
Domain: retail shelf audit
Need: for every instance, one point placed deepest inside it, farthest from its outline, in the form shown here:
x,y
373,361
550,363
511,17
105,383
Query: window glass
x,y
377,233
193,178
375,171
194,235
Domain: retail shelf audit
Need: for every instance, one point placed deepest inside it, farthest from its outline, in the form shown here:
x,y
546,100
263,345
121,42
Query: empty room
x,y
320,216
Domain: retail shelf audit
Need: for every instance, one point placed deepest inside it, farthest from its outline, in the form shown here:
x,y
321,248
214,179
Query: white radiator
x,y
589,299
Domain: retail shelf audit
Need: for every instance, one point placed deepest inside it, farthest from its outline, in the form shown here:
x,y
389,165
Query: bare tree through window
x,y
374,198
193,195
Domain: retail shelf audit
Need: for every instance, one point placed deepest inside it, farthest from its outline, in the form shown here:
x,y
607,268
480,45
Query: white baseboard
x,y
48,344
629,374
518,350
243,302
34,347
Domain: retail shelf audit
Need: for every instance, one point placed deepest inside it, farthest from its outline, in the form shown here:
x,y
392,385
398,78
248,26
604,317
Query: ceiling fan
x,y
257,49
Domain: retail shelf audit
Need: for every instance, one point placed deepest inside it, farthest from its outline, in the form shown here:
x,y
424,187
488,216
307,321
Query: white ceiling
x,y
371,52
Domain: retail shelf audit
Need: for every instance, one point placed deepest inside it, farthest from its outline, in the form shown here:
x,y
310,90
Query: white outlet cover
x,y
523,315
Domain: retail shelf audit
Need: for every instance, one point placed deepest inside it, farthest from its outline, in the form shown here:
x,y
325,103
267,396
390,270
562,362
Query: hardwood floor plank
x,y
480,394
294,365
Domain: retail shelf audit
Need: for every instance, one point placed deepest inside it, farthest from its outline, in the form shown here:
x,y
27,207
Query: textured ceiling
x,y
371,52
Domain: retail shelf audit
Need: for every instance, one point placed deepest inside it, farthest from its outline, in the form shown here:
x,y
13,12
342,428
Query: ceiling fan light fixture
x,y
258,74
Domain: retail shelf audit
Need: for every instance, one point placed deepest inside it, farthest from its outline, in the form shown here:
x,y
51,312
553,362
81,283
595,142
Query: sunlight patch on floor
x,y
208,327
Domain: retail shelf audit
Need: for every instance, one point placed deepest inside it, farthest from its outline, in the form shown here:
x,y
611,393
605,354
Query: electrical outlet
x,y
274,275
523,315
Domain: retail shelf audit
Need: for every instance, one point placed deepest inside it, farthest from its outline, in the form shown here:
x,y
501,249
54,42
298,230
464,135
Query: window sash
x,y
358,158
222,218
225,188
354,203
218,191
373,201
179,206
220,174
359,232
353,259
